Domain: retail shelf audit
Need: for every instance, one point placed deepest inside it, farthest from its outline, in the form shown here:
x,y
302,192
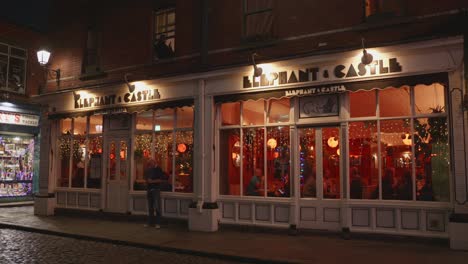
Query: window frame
x,y
246,14
9,55
165,12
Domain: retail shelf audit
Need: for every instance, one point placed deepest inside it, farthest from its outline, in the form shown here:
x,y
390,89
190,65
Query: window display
x,y
16,165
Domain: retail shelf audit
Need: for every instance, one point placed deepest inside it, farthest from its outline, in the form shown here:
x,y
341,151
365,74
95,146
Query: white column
x,y
204,214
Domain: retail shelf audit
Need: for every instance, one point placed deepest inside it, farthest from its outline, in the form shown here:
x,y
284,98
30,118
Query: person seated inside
x,y
255,187
356,184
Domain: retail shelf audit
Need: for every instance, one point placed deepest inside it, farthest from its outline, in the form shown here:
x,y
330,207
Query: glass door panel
x,y
307,163
331,162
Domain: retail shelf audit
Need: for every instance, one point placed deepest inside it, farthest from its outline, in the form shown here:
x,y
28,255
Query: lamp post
x,y
43,58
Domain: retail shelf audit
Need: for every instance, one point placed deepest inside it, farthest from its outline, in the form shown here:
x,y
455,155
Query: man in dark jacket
x,y
154,177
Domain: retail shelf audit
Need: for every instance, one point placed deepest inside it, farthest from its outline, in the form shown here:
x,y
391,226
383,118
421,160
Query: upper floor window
x,y
91,55
12,69
383,8
257,20
164,33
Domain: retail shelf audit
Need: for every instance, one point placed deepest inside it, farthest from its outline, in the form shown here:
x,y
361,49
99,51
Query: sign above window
x,y
326,73
19,119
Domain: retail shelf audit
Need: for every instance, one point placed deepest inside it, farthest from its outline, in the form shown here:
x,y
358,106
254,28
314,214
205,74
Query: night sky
x,y
29,13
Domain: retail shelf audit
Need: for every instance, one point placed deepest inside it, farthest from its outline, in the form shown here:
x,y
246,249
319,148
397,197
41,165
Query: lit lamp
x,y
406,138
272,143
257,70
366,58
181,147
332,142
43,58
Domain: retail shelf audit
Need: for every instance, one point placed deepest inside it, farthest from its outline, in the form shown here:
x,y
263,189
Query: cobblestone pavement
x,y
17,247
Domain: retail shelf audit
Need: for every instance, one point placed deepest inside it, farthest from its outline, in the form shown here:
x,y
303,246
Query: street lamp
x,y
43,58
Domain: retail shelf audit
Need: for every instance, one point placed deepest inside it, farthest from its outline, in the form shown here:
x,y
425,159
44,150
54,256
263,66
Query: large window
x,y
402,151
164,33
12,69
79,152
383,8
165,135
255,148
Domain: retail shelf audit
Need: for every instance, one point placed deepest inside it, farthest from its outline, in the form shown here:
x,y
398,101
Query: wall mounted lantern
x,y
366,58
43,58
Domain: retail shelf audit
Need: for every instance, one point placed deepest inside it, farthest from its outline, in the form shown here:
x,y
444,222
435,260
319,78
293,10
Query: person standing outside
x,y
154,177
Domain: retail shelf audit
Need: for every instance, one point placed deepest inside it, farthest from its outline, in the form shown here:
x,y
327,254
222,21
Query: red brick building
x,y
353,124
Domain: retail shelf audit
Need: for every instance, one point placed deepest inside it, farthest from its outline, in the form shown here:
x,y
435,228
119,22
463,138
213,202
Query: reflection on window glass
x,y
307,159
64,144
253,112
94,167
95,124
363,160
78,162
394,102
429,99
230,161
362,103
230,114
253,173
79,126
163,119
278,166
65,126
144,121
396,141
432,157
185,117
184,161
278,110
331,162
163,149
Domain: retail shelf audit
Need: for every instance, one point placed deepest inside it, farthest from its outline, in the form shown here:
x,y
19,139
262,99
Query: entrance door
x,y
117,174
320,180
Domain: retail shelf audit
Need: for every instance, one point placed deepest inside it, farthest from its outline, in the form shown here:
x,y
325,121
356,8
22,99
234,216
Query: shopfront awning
x,y
427,79
124,109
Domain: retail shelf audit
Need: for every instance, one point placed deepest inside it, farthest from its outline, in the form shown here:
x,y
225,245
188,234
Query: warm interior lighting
x,y
271,143
332,142
181,147
406,138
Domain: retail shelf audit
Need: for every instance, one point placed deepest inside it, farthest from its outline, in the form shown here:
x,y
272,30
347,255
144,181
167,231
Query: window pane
x,y
78,159
144,121
363,160
230,160
95,162
394,102
16,75
396,155
331,162
65,126
278,110
429,99
164,119
184,161
95,124
3,70
432,159
253,161
278,166
79,126
253,112
171,18
64,144
163,145
142,153
307,149
184,117
230,114
362,103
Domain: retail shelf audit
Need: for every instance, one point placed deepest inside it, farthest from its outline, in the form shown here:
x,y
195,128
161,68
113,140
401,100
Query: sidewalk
x,y
267,247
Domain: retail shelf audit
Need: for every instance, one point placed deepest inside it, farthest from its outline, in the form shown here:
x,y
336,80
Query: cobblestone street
x,y
17,247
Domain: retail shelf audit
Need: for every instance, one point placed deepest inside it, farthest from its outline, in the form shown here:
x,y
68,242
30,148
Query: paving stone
x,y
18,247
